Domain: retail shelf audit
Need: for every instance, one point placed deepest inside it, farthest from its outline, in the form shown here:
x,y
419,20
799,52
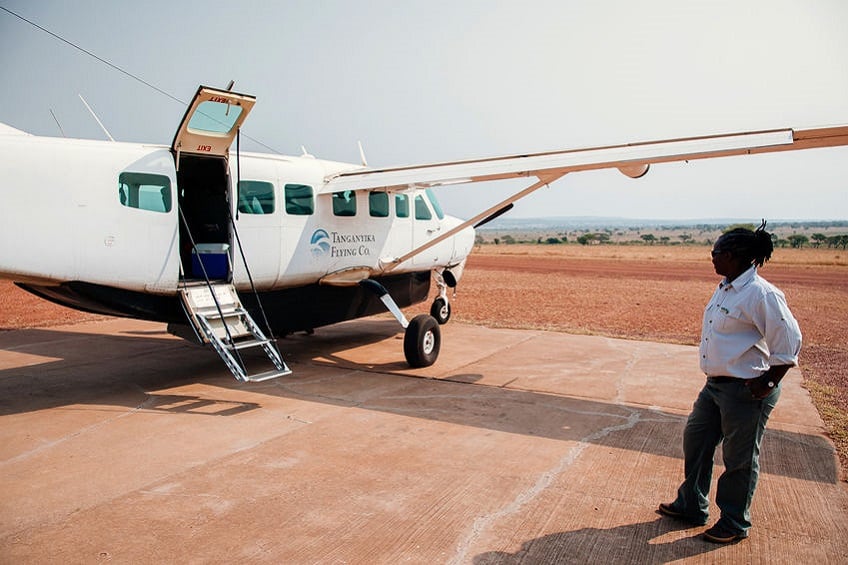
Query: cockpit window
x,y
422,212
402,205
344,203
255,197
145,191
435,202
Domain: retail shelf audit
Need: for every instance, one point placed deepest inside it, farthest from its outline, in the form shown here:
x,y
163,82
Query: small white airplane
x,y
232,248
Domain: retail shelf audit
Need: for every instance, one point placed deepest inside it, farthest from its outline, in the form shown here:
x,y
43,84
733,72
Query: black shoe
x,y
672,512
722,534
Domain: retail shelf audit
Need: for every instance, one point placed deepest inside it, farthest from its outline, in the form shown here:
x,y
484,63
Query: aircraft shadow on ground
x,y
150,366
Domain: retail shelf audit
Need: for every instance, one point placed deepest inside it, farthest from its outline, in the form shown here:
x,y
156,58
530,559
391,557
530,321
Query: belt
x,y
720,380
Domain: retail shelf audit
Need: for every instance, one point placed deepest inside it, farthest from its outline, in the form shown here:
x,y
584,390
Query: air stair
x,y
219,319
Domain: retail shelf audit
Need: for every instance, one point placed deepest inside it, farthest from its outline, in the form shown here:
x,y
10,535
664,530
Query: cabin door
x,y
204,187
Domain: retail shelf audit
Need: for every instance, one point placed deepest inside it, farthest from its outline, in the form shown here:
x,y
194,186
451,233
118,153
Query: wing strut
x,y
544,180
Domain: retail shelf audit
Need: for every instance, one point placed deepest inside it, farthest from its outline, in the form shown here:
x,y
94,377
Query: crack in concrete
x,y
544,481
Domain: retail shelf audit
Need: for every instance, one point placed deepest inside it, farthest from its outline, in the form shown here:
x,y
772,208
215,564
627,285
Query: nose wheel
x,y
441,310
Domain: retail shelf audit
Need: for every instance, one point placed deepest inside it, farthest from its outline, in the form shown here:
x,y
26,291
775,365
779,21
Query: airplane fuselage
x,y
116,228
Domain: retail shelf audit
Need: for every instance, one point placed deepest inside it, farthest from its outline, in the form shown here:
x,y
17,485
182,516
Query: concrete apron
x,y
118,441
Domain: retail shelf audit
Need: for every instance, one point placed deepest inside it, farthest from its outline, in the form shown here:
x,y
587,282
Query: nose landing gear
x,y
441,308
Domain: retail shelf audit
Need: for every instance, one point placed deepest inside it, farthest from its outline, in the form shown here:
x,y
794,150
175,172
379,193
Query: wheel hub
x,y
428,342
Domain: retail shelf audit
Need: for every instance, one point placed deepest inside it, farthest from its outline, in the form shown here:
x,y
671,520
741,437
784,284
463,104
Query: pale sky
x,y
426,81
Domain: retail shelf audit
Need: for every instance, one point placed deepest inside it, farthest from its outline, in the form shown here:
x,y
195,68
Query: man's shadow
x,y
658,541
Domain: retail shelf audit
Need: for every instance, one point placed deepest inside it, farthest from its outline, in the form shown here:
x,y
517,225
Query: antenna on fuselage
x,y
57,122
109,135
362,154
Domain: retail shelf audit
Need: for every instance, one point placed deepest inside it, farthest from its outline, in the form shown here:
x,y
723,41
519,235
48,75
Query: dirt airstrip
x,y
651,293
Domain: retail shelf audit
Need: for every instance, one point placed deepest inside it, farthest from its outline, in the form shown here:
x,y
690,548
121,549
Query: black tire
x,y
441,311
422,341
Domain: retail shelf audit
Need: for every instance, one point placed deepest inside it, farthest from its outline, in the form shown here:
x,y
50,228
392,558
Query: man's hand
x,y
763,385
759,387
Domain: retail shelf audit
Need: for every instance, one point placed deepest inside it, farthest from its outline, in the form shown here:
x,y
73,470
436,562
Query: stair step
x,y
228,312
259,377
219,318
248,343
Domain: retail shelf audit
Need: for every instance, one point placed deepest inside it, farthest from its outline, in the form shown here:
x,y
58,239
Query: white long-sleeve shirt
x,y
747,328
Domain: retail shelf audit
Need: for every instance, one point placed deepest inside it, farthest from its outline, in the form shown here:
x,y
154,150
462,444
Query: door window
x,y
422,212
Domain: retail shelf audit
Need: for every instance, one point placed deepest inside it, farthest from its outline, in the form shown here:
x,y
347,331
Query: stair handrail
x,y
208,285
241,249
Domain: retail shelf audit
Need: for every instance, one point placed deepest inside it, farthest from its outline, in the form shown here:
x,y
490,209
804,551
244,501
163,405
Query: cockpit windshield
x,y
431,196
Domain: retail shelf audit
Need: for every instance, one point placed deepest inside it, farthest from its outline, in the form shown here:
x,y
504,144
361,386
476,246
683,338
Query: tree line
x,y
816,240
795,241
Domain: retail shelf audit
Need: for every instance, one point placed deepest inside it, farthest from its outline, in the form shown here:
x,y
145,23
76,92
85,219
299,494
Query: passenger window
x,y
402,205
434,201
255,197
145,191
344,203
299,200
378,204
422,212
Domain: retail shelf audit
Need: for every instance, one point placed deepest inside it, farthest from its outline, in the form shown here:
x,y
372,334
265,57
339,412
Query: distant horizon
x,y
607,221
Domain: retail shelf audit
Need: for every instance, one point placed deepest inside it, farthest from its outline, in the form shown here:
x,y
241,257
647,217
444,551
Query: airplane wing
x,y
632,159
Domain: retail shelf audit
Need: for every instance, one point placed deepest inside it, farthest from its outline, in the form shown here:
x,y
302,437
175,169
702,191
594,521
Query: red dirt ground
x,y
655,294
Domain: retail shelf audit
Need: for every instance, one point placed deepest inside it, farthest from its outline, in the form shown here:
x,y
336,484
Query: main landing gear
x,y
421,341
422,338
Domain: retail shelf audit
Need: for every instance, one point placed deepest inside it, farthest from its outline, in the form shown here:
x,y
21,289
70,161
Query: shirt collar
x,y
741,280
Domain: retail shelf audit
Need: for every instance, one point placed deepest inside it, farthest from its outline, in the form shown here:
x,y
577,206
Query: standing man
x,y
749,340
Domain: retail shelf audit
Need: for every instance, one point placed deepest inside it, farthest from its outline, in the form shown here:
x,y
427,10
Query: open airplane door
x,y
211,122
201,149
